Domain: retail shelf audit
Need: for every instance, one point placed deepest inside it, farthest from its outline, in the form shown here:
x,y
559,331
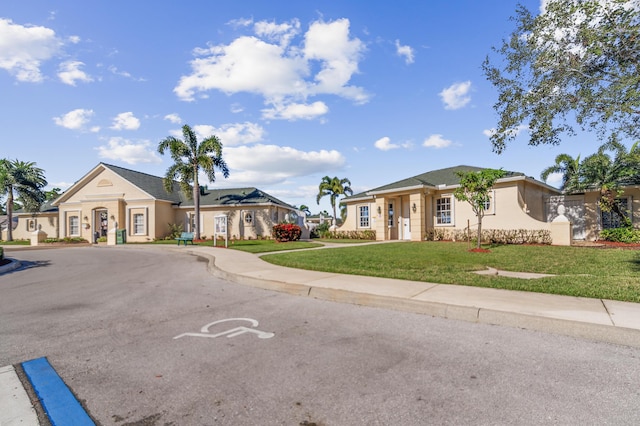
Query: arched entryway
x,y
100,223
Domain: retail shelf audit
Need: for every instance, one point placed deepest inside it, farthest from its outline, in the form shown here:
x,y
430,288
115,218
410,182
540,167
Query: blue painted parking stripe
x,y
56,398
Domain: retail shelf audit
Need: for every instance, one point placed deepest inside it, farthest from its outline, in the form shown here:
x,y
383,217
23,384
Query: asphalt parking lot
x,y
148,336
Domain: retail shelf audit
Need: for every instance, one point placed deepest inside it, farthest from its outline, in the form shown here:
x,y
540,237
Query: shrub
x,y
174,231
621,235
1,253
321,230
285,232
351,235
493,236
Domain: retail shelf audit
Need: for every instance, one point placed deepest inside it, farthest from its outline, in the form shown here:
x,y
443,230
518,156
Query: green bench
x,y
186,237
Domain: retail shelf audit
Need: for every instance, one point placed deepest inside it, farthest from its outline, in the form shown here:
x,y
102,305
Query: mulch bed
x,y
612,244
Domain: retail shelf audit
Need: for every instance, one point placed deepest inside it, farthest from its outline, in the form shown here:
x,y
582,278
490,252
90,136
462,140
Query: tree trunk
x,y
10,214
196,203
479,231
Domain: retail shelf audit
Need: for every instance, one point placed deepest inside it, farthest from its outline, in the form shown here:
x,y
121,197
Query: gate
x,y
575,212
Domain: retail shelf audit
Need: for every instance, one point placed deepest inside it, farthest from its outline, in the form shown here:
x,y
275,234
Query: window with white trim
x,y
74,226
489,204
138,224
444,210
363,214
248,218
390,221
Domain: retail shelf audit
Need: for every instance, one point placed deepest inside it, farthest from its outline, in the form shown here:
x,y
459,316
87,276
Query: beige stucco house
x,y
110,198
419,206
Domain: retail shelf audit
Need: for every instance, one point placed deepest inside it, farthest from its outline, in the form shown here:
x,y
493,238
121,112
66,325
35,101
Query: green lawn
x,y
581,271
15,243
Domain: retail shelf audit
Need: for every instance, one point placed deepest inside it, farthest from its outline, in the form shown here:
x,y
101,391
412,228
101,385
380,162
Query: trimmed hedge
x,y
285,232
493,236
1,253
351,235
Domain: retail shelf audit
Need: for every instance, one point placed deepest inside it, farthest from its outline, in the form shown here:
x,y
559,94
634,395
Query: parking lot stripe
x,y
56,398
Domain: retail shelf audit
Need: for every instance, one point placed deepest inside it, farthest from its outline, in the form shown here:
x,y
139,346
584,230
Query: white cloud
x,y
236,108
282,33
125,121
406,51
280,71
232,134
74,120
456,95
121,149
555,179
24,48
69,73
173,118
294,111
329,42
436,141
266,164
114,70
384,144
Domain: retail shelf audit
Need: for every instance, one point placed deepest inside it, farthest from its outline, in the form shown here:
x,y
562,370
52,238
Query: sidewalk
x,y
601,320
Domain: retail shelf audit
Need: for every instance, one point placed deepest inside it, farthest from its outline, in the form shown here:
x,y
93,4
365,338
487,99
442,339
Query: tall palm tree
x,y
569,167
333,187
189,158
24,180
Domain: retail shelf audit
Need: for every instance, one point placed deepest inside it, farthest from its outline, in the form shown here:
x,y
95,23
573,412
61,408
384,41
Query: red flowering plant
x,y
284,232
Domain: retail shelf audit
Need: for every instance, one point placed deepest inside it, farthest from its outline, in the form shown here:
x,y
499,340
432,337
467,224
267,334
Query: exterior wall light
x,y
413,207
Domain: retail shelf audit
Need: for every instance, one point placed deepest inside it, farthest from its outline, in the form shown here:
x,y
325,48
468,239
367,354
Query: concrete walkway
x,y
602,320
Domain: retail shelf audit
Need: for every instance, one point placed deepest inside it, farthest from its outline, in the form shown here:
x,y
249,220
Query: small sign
x,y
220,229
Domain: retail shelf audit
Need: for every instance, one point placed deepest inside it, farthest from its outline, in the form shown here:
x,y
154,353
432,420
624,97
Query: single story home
x,y
111,197
418,207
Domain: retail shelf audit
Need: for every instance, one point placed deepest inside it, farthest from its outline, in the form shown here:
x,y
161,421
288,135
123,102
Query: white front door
x,y
406,228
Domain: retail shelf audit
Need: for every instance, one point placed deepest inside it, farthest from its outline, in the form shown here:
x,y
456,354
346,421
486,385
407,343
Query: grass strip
x,y
580,271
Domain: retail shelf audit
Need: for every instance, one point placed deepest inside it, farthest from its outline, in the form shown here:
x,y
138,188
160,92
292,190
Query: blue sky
x,y
374,91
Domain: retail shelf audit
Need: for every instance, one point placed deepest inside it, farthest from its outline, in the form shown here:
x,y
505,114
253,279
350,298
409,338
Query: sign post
x,y
220,229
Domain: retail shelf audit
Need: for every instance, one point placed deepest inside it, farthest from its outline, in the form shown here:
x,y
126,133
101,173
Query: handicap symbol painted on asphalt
x,y
237,331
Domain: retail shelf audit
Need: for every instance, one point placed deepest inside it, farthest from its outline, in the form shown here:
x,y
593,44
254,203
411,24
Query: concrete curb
x,y
584,330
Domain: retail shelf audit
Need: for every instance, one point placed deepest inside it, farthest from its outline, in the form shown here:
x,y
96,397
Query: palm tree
x,y
333,187
569,167
608,174
189,158
305,209
26,181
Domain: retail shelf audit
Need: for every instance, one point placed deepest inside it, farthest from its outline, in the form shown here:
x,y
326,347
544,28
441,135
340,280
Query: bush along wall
x,y
351,235
285,232
493,236
621,235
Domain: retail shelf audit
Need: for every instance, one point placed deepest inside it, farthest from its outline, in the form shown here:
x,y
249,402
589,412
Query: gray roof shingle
x,y
434,178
